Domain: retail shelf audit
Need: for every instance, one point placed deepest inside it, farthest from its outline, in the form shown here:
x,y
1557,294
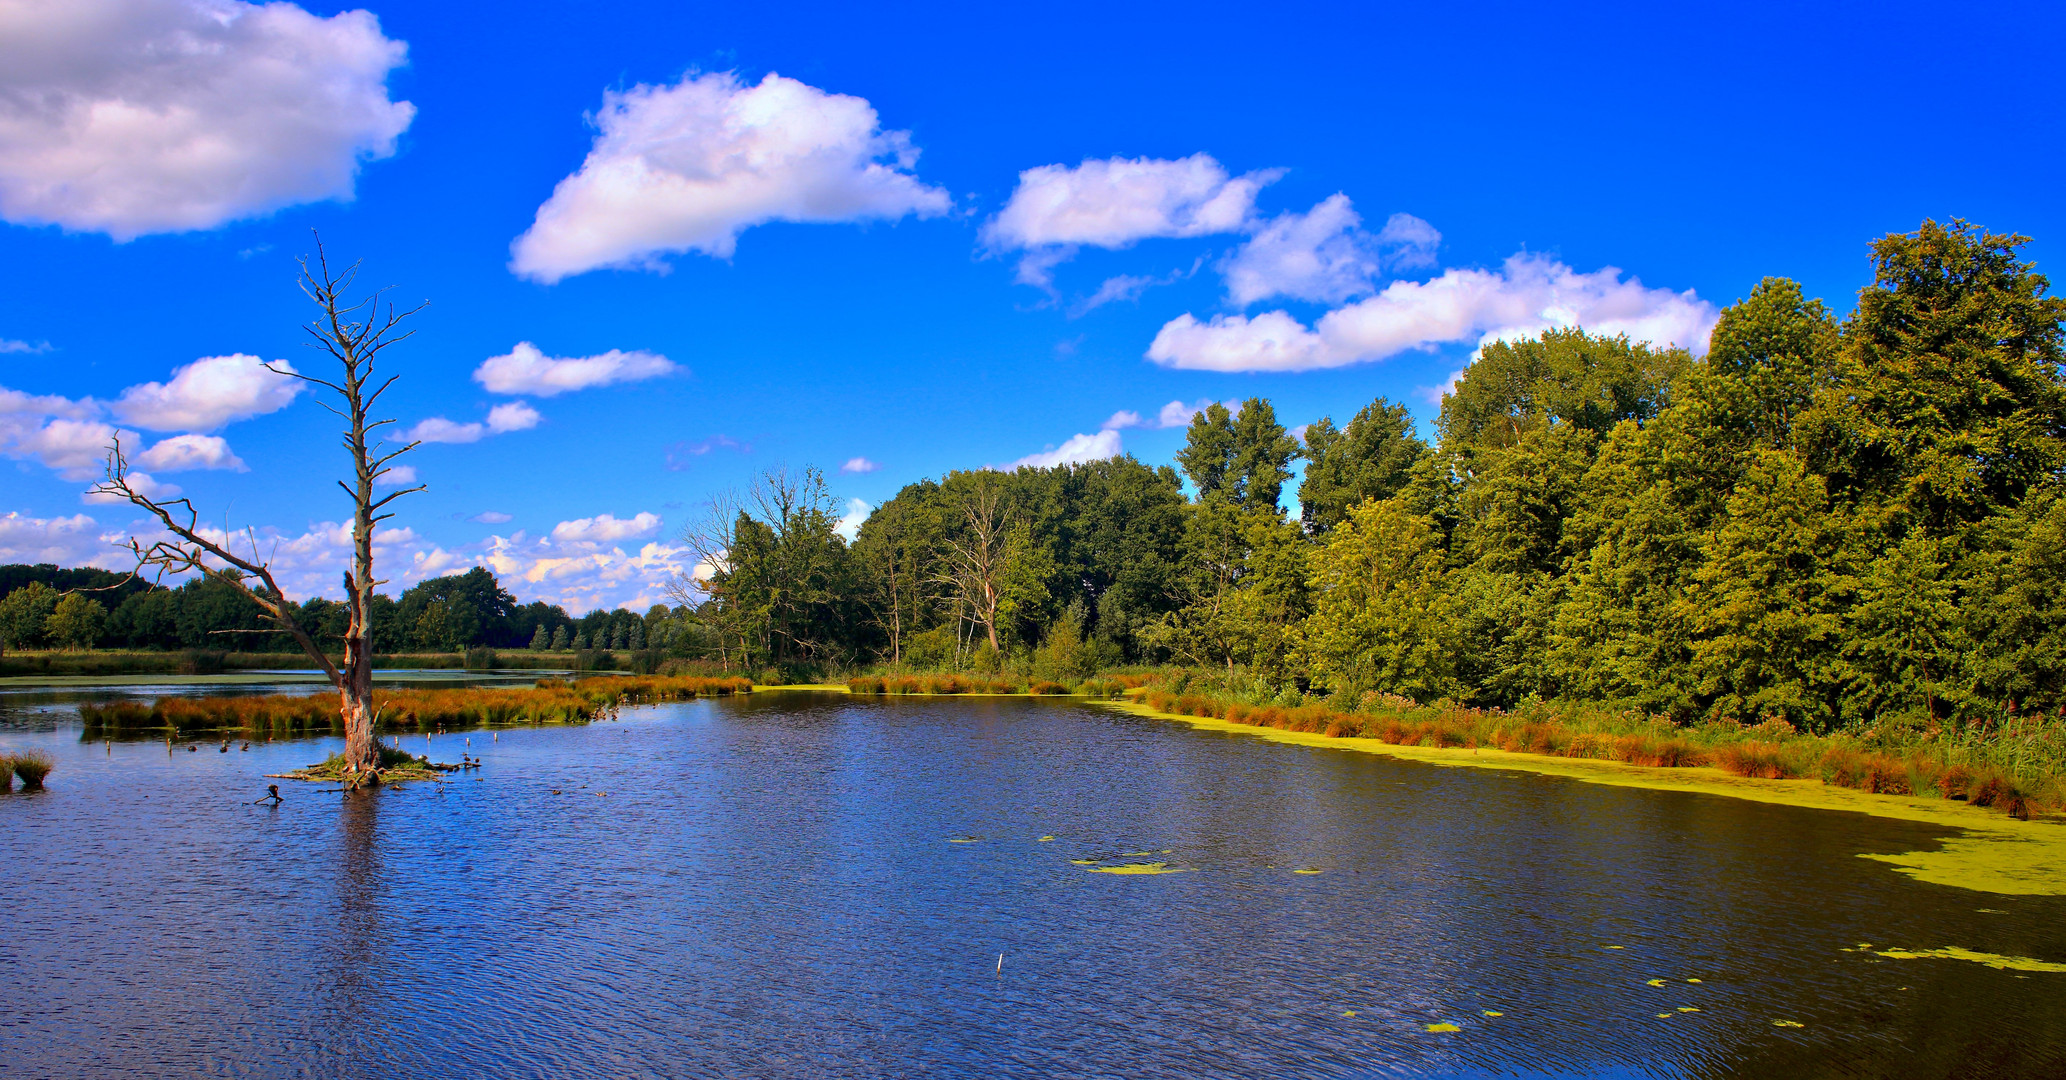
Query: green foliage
x,y
76,622
24,615
1372,458
1242,459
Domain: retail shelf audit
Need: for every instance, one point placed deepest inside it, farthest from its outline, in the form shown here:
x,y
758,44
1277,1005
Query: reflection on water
x,y
770,886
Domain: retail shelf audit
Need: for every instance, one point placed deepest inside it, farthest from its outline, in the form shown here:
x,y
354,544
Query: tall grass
x,y
2019,768
941,684
32,766
551,701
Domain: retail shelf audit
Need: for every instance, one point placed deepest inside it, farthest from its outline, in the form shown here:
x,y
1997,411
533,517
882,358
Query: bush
x,y
865,684
1044,686
481,658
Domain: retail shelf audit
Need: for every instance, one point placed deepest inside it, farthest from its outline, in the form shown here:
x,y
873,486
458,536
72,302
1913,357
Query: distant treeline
x,y
44,606
1829,522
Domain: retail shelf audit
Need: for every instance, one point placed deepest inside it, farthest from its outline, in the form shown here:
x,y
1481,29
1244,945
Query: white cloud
x,y
77,449
1324,254
849,526
9,345
140,116
1176,414
1408,242
209,393
502,419
583,575
67,541
688,167
1079,448
182,452
140,482
526,370
1529,295
1116,202
605,529
859,465
396,476
490,517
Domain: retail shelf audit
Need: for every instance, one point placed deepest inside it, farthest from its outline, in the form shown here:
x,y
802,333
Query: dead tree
x,y
352,333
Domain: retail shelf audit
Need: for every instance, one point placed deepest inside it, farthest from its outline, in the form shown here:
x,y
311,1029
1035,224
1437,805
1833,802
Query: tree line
x,y
1827,521
44,606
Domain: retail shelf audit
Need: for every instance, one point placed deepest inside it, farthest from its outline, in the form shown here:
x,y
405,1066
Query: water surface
x,y
794,884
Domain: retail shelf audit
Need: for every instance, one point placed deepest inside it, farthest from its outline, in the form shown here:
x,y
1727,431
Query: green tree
x,y
1372,458
1952,360
76,622
540,639
561,639
1381,618
1243,459
24,613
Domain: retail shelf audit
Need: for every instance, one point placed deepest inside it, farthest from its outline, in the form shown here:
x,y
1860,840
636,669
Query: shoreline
x,y
1994,853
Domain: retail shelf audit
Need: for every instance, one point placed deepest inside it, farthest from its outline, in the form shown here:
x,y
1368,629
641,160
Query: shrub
x,y
1763,760
1045,686
32,767
481,658
865,684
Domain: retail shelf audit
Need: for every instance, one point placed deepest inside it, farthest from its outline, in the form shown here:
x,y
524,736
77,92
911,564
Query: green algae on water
x,y
1137,868
1994,960
1995,853
1443,1027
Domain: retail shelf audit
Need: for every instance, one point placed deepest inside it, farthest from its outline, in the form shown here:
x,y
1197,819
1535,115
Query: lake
x,y
805,885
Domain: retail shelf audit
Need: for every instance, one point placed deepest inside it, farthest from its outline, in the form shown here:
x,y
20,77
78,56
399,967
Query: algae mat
x,y
1994,854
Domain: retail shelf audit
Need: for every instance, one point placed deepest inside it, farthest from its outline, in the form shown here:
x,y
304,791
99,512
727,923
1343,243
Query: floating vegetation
x,y
1045,839
1993,960
1692,980
1687,1009
1348,1012
1086,862
1489,1012
1656,982
1137,868
1443,1027
1613,946
1136,854
1788,1023
964,839
1305,870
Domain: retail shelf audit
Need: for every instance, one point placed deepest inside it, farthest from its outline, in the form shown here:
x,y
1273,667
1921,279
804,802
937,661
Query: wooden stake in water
x,y
1000,963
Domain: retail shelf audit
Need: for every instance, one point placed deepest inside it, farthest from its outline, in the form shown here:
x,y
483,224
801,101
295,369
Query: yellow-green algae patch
x,y
1489,1012
1138,868
1085,862
1443,1027
1954,952
1995,854
1306,870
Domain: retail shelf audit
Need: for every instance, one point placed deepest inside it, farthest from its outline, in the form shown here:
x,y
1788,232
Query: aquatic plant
x,y
1957,764
1046,686
550,701
32,766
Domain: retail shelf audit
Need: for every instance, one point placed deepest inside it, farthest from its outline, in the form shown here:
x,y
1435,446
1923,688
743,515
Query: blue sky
x,y
895,250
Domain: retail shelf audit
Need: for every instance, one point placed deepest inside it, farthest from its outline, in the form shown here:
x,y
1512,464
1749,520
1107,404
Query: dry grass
x,y
551,701
32,767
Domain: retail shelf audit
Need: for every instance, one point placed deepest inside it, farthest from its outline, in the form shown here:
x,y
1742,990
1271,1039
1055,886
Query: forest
x,y
1823,521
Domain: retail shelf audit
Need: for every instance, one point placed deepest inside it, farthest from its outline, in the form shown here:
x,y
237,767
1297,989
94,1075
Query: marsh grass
x,y
551,701
2018,766
32,766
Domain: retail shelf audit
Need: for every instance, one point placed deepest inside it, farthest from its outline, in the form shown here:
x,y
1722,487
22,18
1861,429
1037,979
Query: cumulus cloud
x,y
396,476
1078,449
1324,254
142,116
606,529
140,482
1115,203
9,345
858,465
581,575
688,167
502,419
77,449
857,511
312,562
209,393
67,541
526,370
1529,295
183,452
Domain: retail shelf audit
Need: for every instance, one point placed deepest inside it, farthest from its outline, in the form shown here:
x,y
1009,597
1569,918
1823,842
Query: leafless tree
x,y
353,333
976,559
